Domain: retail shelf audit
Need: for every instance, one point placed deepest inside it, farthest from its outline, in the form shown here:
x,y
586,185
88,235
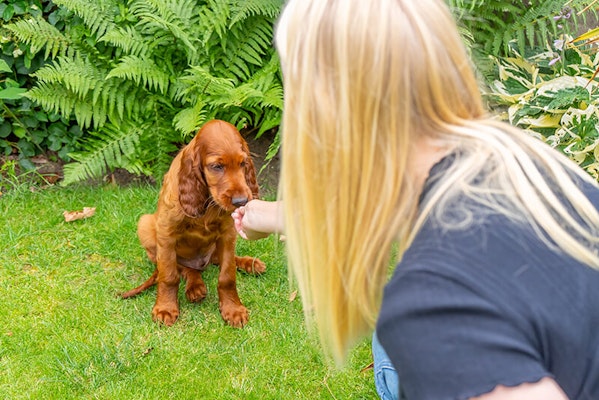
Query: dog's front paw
x,y
165,313
251,265
235,315
196,292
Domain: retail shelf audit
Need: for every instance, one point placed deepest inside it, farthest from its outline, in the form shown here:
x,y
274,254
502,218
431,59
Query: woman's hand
x,y
258,219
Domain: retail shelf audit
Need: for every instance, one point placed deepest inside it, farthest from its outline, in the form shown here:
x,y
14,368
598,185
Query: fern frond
x,y
77,86
244,9
157,146
97,15
54,97
84,113
236,97
38,33
215,19
141,70
273,97
268,75
191,119
243,48
174,16
107,148
77,75
270,119
274,147
199,82
111,97
251,47
128,39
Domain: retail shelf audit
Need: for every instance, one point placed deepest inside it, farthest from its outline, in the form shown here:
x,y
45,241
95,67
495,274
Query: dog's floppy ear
x,y
193,190
250,173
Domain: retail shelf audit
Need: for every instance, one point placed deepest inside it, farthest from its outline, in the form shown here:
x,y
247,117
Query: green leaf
x,y
55,143
19,8
19,131
12,93
41,116
57,130
26,151
8,12
30,122
5,129
38,137
566,97
53,117
4,67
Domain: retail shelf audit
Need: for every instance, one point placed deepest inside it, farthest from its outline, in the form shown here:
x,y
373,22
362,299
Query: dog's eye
x,y
242,164
217,167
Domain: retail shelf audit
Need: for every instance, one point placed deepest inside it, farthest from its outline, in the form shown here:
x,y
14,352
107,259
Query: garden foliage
x,y
141,76
498,24
558,103
124,83
26,129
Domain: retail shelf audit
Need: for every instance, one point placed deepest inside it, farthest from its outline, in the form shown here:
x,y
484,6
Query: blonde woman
x,y
386,140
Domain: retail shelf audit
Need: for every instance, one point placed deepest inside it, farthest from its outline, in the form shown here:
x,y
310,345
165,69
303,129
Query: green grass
x,y
64,334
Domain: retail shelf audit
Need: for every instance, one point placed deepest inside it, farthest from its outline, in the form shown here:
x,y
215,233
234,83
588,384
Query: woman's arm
x,y
545,389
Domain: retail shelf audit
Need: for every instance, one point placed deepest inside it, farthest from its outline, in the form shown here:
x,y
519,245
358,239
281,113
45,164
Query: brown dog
x,y
192,226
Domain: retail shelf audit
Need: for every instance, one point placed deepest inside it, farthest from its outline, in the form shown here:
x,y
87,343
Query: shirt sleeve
x,y
450,340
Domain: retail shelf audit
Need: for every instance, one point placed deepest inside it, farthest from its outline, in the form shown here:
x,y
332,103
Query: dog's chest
x,y
200,230
197,242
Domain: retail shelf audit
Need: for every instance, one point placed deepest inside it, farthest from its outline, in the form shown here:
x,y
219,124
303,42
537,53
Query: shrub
x,y
25,128
498,26
554,99
140,76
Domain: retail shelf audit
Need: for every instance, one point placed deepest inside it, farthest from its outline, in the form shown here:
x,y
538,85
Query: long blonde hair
x,y
364,80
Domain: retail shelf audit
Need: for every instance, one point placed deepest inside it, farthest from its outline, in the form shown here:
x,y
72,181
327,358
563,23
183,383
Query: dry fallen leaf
x,y
51,179
292,296
75,215
147,351
368,367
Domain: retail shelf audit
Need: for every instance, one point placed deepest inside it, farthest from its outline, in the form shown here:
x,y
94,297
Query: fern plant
x,y
26,130
530,23
141,76
524,25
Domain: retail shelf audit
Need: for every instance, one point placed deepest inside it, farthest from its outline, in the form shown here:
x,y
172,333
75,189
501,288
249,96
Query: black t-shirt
x,y
467,310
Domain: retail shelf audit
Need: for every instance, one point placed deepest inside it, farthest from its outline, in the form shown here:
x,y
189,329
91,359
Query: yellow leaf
x,y
590,35
544,121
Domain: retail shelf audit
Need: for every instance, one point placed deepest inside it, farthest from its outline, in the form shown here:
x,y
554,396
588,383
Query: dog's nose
x,y
239,201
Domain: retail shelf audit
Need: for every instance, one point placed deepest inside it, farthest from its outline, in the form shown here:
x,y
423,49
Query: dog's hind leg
x,y
251,265
195,288
146,231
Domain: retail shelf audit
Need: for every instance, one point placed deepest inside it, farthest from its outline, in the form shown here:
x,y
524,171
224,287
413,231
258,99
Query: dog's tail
x,y
147,284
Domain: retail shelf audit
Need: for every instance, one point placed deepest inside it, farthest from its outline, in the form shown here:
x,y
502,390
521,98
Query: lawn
x,y
64,333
